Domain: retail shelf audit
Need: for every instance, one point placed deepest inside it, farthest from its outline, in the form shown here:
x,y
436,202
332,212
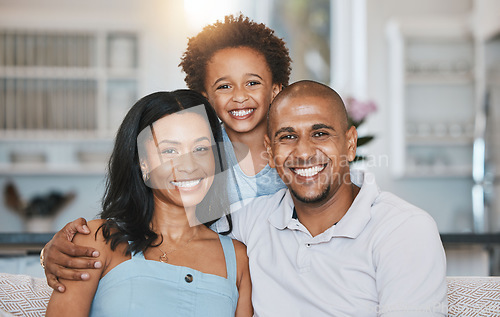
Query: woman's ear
x,y
269,150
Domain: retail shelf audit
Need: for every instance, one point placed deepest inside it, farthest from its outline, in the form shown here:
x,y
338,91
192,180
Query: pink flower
x,y
359,110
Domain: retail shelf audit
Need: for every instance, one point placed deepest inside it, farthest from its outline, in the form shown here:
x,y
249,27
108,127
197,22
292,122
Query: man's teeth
x,y
187,184
241,113
310,171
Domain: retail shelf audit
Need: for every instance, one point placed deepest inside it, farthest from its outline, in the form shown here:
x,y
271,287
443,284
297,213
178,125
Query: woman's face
x,y
180,159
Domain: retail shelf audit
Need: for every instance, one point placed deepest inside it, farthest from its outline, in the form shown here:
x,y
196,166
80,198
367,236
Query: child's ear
x,y
204,94
276,90
269,150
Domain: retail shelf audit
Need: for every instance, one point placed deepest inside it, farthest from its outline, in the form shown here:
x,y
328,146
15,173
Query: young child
x,y
240,66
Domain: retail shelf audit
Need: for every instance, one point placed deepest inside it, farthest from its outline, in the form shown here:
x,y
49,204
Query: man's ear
x,y
269,150
352,143
276,90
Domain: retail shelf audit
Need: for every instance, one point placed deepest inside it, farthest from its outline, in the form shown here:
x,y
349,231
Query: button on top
x,y
308,245
188,278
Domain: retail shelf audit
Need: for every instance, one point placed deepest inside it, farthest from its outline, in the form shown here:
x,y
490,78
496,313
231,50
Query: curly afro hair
x,y
234,32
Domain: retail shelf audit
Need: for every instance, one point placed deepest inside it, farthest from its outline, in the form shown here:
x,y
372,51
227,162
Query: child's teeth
x,y
187,183
241,113
310,171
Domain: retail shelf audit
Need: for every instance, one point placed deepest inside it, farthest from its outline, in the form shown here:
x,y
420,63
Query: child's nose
x,y
239,94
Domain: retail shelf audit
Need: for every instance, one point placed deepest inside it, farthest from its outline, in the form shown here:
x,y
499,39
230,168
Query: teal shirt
x,y
140,287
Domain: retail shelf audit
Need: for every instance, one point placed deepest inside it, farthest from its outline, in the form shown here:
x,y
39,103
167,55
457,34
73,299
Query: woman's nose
x,y
186,163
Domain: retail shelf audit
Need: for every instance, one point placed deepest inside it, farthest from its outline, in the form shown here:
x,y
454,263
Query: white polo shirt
x,y
383,258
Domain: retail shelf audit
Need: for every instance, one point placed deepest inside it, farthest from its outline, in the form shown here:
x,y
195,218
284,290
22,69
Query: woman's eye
x,y
201,149
169,151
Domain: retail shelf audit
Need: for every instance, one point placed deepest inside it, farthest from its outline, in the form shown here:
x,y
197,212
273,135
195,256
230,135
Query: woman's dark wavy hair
x,y
128,203
235,31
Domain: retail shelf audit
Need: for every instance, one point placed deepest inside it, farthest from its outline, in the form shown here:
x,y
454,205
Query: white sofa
x,y
22,295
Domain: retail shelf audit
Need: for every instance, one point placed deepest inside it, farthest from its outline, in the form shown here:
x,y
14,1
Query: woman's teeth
x,y
186,184
310,171
241,113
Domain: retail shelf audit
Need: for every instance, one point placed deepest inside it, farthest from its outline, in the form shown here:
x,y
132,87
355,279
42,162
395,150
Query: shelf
x,y
40,72
439,141
438,172
470,238
51,136
43,169
439,79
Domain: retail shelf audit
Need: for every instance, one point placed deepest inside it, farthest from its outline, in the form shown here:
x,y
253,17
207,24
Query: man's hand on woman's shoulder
x,y
62,258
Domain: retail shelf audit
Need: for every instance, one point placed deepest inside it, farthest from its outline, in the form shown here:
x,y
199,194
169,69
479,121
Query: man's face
x,y
309,147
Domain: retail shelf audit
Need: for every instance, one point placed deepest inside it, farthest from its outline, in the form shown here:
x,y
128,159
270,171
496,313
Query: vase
x,y
39,224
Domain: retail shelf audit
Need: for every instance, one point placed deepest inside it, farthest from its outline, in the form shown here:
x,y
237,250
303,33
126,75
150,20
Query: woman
x,y
161,186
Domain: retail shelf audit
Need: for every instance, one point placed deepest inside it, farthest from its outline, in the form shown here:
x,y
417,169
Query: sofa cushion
x,y
474,296
23,295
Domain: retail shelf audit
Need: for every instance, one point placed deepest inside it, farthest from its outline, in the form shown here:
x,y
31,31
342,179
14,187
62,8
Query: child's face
x,y
239,86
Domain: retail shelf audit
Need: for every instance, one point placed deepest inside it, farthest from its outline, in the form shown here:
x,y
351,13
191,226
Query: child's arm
x,y
243,282
77,299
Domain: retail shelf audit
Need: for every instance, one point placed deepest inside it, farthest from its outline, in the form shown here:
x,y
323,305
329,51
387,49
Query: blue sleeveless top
x,y
140,287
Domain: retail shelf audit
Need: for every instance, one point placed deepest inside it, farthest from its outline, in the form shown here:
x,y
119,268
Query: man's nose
x,y
304,149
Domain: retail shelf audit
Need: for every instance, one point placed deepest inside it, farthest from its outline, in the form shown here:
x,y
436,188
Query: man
x,y
327,246
332,244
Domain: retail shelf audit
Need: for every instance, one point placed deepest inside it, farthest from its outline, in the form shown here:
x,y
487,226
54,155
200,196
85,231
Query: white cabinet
x,y
63,95
432,97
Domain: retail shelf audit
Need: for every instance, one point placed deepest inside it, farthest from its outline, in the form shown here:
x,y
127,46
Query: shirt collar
x,y
353,222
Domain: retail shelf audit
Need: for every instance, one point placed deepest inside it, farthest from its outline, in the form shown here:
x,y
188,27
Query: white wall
x,y
378,13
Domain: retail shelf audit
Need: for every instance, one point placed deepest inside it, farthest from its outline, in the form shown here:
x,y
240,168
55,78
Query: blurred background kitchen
x,y
425,76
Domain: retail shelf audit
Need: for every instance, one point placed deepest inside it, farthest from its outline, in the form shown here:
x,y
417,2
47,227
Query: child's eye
x,y
253,83
225,86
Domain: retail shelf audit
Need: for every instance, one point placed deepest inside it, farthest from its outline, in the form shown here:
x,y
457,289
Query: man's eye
x,y
288,137
320,135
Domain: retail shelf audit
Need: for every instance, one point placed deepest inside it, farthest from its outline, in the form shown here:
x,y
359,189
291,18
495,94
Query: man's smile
x,y
308,171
